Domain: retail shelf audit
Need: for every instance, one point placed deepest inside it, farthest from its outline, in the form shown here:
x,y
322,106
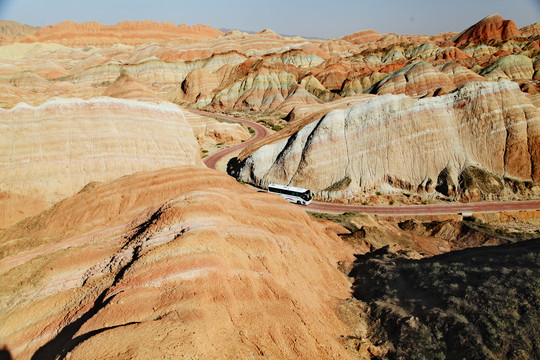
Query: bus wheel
x,y
299,202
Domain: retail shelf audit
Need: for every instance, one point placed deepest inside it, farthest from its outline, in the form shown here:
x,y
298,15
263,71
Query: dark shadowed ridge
x,y
475,303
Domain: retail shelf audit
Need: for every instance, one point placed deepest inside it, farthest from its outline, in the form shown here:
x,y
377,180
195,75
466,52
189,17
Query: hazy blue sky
x,y
319,18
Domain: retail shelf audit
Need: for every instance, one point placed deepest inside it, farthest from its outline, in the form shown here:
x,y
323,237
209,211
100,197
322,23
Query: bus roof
x,y
292,188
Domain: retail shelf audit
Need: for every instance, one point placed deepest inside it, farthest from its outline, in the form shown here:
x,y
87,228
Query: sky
x,y
314,18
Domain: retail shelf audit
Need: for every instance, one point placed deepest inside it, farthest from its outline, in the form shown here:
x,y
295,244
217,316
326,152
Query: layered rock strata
x,y
469,144
195,67
177,262
492,27
418,79
209,131
52,151
127,32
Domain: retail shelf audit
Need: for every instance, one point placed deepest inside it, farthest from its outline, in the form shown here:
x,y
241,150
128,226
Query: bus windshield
x,y
306,195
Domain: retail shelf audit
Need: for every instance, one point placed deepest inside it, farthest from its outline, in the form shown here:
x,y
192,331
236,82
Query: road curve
x,y
396,210
260,132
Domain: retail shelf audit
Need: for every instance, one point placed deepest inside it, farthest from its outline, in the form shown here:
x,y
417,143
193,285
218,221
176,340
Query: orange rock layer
x,y
258,72
493,27
183,261
126,32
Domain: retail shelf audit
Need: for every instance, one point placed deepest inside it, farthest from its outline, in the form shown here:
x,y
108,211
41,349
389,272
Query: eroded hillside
x,y
201,67
176,261
112,228
54,150
466,104
472,144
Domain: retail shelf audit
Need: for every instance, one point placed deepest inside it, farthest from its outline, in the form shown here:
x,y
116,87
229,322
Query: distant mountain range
x,y
225,30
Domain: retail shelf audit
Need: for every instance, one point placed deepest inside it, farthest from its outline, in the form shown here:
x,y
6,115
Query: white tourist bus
x,y
292,194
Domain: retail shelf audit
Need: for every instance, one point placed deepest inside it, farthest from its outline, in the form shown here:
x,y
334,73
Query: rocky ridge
x,y
127,32
259,72
54,150
177,261
493,27
475,142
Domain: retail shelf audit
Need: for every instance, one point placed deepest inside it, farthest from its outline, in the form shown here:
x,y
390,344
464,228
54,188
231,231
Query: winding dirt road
x,y
396,210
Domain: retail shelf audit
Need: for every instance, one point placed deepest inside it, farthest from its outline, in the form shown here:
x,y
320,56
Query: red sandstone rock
x,y
220,73
178,262
126,87
127,32
363,37
459,74
493,27
419,79
333,76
